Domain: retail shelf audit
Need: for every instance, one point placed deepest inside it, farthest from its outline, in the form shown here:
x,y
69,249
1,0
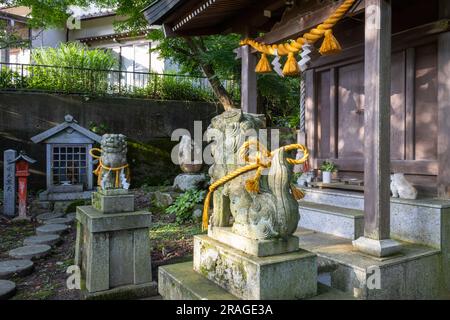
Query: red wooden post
x,y
22,173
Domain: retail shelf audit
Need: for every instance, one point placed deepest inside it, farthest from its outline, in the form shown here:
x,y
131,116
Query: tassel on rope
x,y
330,44
263,160
291,67
263,65
297,193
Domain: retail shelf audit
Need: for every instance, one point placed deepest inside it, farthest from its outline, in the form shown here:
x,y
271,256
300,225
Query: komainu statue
x,y
113,170
256,205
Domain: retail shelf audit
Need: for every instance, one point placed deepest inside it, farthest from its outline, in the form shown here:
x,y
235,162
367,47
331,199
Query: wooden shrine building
x,y
380,106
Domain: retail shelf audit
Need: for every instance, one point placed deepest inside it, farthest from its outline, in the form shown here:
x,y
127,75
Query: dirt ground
x,y
170,243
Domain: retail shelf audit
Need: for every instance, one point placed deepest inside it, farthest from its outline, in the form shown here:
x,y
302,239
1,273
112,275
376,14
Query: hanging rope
x,y
260,161
329,46
99,170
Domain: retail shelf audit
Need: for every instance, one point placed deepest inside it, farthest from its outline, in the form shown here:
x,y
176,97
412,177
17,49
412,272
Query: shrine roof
x,y
69,123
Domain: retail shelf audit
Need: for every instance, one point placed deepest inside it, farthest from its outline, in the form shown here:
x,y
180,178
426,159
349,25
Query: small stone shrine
x,y
113,245
249,250
69,165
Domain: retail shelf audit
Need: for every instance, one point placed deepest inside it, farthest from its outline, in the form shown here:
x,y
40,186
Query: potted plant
x,y
327,169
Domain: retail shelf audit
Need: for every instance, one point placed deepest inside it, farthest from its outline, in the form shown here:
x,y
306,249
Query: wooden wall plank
x,y
311,114
443,180
410,80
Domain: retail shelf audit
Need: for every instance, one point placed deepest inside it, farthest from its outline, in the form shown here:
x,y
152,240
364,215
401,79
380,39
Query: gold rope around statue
x,y
262,160
101,167
329,46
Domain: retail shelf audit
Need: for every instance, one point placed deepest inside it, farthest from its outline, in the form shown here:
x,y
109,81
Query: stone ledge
x,y
128,292
180,282
259,248
96,221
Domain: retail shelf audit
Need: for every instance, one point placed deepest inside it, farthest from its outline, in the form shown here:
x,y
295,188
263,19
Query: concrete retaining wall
x,y
25,114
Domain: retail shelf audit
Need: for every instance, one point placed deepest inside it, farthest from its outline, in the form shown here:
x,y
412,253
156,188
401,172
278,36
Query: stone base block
x,y
129,292
377,248
259,248
113,203
180,282
113,250
286,276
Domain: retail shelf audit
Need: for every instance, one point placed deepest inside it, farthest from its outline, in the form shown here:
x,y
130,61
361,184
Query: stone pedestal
x,y
113,250
285,276
113,201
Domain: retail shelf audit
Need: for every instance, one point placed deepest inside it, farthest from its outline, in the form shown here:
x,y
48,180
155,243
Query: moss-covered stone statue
x,y
270,213
113,171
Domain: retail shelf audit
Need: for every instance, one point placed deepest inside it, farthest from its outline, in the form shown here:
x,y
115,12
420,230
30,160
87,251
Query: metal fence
x,y
108,82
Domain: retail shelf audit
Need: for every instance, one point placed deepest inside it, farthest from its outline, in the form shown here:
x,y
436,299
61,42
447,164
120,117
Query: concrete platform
x,y
416,273
180,282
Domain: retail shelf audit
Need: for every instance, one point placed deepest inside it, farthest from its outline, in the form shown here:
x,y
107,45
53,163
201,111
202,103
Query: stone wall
x,y
148,122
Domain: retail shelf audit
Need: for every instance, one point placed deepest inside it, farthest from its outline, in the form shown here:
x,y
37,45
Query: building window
x,y
69,164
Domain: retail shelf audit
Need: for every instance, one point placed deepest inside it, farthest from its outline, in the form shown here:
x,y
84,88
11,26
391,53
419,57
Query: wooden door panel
x,y
350,111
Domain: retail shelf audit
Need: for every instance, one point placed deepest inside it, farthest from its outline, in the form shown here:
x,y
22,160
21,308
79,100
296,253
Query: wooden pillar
x,y
377,84
248,81
443,179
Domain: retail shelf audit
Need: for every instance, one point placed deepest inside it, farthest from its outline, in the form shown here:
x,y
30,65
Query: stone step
x,y
7,289
51,229
62,220
337,221
425,220
49,215
180,282
339,198
30,252
10,268
48,239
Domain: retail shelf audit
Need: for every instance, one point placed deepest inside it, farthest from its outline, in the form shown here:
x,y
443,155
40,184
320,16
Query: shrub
x,y
184,204
74,68
8,78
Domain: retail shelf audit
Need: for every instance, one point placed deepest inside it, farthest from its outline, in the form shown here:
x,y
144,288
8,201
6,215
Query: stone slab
x,y
259,248
128,292
7,289
10,268
49,215
66,196
62,220
48,239
341,222
286,276
415,273
113,204
95,221
113,192
180,282
52,229
65,189
33,252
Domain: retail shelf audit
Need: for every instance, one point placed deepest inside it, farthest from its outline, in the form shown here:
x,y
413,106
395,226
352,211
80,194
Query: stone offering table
x,y
113,248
